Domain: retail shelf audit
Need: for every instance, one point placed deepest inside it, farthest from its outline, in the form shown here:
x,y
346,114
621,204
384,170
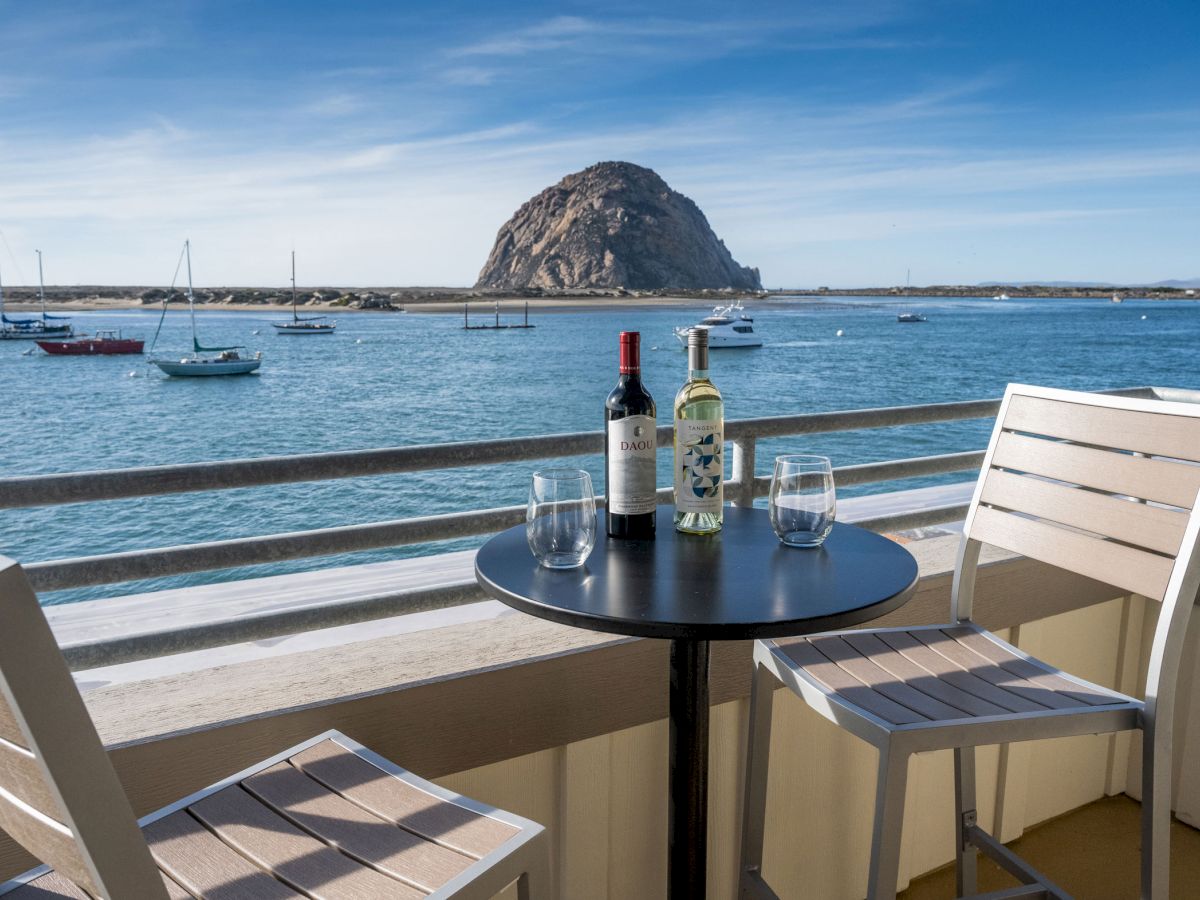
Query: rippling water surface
x,y
386,380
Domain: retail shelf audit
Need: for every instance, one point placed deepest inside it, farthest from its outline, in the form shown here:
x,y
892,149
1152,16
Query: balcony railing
x,y
744,486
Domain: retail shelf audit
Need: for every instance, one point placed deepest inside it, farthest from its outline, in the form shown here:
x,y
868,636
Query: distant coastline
x,y
451,299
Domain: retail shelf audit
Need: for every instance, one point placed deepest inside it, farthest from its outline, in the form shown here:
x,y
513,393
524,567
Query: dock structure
x,y
497,324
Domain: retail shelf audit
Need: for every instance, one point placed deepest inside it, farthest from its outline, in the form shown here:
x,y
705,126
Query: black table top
x,y
738,584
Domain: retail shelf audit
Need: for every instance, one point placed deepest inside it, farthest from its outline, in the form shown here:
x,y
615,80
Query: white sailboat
x,y
34,329
307,324
228,360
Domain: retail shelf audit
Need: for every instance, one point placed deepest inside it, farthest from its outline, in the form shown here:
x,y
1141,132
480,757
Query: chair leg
x,y
964,812
534,883
758,750
889,822
1156,814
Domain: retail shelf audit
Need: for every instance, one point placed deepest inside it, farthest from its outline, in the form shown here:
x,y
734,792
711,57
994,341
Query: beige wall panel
x,y
726,769
638,807
585,819
820,803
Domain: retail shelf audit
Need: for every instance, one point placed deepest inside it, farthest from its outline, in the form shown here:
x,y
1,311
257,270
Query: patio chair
x,y
1102,486
327,818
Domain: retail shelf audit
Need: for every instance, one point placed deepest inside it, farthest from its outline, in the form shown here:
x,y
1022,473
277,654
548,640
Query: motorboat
x,y
302,324
911,317
1117,298
1001,297
105,342
727,327
228,361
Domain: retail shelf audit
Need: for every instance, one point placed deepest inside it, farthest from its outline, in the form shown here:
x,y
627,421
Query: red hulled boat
x,y
104,343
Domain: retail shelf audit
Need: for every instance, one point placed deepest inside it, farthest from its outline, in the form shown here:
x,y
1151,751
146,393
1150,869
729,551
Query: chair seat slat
x,y
870,646
995,652
9,729
1154,433
51,886
21,776
291,855
355,831
51,840
841,682
1159,480
883,681
908,646
399,802
1137,571
202,864
1140,524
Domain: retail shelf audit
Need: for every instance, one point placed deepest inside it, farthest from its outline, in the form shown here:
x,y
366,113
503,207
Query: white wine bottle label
x,y
631,479
699,465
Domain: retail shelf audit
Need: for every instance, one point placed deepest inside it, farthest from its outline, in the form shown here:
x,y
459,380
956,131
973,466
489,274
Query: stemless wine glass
x,y
560,522
802,505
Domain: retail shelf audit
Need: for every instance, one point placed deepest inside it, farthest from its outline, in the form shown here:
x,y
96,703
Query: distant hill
x,y
1170,283
612,225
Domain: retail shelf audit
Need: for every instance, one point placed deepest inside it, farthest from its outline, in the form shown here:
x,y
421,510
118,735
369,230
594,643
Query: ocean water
x,y
395,379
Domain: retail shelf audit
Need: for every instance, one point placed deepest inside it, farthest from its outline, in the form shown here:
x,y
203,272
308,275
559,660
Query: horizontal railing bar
x,y
135,565
113,484
920,518
893,470
81,487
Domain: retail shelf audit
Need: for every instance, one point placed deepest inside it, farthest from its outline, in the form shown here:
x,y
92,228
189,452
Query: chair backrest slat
x,y
1137,571
1145,478
1155,528
59,795
1138,431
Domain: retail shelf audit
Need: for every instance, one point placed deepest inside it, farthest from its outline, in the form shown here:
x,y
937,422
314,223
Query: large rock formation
x,y
612,225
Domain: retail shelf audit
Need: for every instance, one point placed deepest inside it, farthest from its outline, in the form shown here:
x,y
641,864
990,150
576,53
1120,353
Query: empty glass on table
x,y
560,522
802,500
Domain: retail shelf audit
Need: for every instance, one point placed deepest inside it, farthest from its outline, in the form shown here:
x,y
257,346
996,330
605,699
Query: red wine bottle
x,y
630,442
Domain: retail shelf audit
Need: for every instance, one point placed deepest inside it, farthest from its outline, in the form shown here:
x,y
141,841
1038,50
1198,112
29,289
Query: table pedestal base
x,y
687,815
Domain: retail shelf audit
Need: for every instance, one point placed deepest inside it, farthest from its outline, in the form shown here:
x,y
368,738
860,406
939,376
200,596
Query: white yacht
x,y
728,326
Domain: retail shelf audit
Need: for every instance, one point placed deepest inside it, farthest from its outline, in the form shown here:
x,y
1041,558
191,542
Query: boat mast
x,y
41,286
187,248
295,318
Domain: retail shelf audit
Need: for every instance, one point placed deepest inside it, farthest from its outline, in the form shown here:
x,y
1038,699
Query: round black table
x,y
690,589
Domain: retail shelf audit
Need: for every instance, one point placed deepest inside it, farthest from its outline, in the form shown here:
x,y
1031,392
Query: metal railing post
x,y
741,486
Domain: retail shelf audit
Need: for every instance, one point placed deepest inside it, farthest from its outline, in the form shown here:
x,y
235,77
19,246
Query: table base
x,y
687,814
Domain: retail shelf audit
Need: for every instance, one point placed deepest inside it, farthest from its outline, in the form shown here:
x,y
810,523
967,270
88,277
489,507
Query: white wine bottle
x,y
699,443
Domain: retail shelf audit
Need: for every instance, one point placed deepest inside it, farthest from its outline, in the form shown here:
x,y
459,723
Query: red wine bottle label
x,y
631,463
699,465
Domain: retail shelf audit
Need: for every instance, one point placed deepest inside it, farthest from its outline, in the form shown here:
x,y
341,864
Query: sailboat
x,y
34,329
228,360
307,324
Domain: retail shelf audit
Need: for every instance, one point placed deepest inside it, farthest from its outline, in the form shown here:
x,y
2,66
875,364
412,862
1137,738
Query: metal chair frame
x,y
1153,716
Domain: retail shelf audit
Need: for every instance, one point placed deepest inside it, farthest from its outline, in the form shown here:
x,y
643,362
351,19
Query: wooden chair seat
x,y
322,820
931,676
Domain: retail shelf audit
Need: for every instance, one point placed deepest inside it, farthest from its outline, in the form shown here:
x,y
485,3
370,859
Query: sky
x,y
838,143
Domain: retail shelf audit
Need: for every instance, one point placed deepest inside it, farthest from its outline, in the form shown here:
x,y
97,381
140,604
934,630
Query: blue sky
x,y
828,143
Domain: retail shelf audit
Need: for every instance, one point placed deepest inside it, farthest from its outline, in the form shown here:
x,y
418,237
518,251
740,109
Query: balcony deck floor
x,y
1091,852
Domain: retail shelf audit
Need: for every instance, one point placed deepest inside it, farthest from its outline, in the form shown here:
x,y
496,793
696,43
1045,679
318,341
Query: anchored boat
x,y
302,324
33,329
728,326
911,317
228,361
106,342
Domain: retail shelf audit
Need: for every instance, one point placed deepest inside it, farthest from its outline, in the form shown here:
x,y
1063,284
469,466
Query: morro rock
x,y
612,225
